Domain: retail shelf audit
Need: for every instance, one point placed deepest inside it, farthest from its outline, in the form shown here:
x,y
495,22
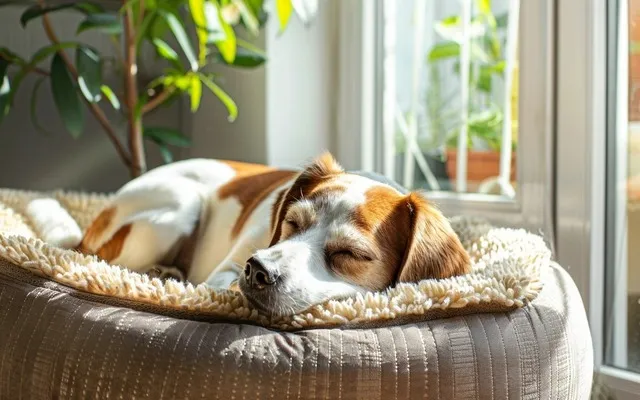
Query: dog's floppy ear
x,y
322,168
433,249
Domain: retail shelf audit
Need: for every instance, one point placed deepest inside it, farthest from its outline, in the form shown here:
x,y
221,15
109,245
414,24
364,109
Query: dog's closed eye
x,y
293,225
353,254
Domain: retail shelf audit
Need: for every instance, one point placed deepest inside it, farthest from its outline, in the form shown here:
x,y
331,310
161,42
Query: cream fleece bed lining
x,y
506,275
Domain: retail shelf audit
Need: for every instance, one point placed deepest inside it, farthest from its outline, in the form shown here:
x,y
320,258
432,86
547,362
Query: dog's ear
x,y
433,249
322,167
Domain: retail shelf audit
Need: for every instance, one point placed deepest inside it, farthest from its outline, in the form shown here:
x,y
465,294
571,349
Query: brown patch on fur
x,y
318,172
275,207
384,221
112,248
250,190
95,230
244,168
415,241
434,250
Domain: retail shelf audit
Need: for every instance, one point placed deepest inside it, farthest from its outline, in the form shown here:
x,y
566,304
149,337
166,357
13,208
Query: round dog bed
x,y
75,327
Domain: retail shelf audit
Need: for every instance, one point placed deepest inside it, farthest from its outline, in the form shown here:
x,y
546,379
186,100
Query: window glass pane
x,y
454,75
623,218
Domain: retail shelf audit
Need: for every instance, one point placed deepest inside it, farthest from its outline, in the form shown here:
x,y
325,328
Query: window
x,y
453,96
622,292
446,111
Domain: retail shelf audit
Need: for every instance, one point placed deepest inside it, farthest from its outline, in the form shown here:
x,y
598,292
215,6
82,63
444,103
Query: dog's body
x,y
305,236
204,217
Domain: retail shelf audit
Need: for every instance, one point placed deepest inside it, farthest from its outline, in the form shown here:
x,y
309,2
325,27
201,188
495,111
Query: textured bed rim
x,y
506,274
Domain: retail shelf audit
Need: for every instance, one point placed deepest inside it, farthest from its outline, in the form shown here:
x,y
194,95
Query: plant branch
x,y
31,69
140,11
136,147
157,100
94,108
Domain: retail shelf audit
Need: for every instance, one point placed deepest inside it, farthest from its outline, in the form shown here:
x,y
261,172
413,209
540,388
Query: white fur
x,y
53,223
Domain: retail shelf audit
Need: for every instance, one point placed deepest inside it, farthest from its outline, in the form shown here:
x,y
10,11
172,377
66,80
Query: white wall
x,y
286,109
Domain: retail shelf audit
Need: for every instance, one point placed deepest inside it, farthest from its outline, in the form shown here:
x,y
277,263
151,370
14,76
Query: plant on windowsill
x,y
187,35
485,115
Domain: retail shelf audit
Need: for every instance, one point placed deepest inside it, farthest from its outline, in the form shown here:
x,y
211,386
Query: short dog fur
x,y
290,239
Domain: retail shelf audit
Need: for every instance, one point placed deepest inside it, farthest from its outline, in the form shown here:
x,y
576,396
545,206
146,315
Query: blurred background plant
x,y
439,118
186,35
488,63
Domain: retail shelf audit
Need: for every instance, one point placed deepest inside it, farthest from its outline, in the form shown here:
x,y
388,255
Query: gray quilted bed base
x,y
56,342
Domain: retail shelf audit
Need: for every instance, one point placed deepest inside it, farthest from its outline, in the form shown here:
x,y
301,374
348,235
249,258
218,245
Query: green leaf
x,y
450,29
449,49
284,9
5,89
232,108
165,51
485,81
145,27
167,157
195,92
250,19
46,51
256,6
37,58
245,58
89,73
213,29
65,97
444,50
34,107
484,6
227,46
11,57
113,99
181,36
502,20
37,10
89,8
196,7
450,21
166,136
106,23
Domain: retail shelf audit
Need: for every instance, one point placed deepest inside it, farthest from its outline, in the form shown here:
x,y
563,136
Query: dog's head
x,y
335,234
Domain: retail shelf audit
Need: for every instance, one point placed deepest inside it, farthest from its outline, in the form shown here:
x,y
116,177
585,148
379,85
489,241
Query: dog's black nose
x,y
258,276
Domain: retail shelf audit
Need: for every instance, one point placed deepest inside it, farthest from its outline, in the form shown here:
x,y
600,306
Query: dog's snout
x,y
258,276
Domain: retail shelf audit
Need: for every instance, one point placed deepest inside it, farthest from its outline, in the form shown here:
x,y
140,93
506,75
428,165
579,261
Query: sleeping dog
x,y
289,239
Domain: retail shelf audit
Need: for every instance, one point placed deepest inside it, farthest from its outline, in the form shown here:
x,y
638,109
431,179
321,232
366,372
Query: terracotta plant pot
x,y
481,165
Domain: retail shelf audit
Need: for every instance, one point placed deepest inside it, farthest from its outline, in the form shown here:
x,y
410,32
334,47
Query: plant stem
x,y
157,100
94,108
136,147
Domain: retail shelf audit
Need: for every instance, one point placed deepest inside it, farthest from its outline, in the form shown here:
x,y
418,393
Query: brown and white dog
x,y
292,238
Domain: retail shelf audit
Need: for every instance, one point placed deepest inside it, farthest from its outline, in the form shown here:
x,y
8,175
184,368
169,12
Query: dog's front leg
x,y
228,271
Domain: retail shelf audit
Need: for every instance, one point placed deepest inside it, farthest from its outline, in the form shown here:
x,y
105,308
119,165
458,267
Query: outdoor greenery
x,y
488,63
187,35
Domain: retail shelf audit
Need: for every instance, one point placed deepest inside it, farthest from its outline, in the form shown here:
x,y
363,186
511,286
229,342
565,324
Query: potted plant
x,y
485,115
186,35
